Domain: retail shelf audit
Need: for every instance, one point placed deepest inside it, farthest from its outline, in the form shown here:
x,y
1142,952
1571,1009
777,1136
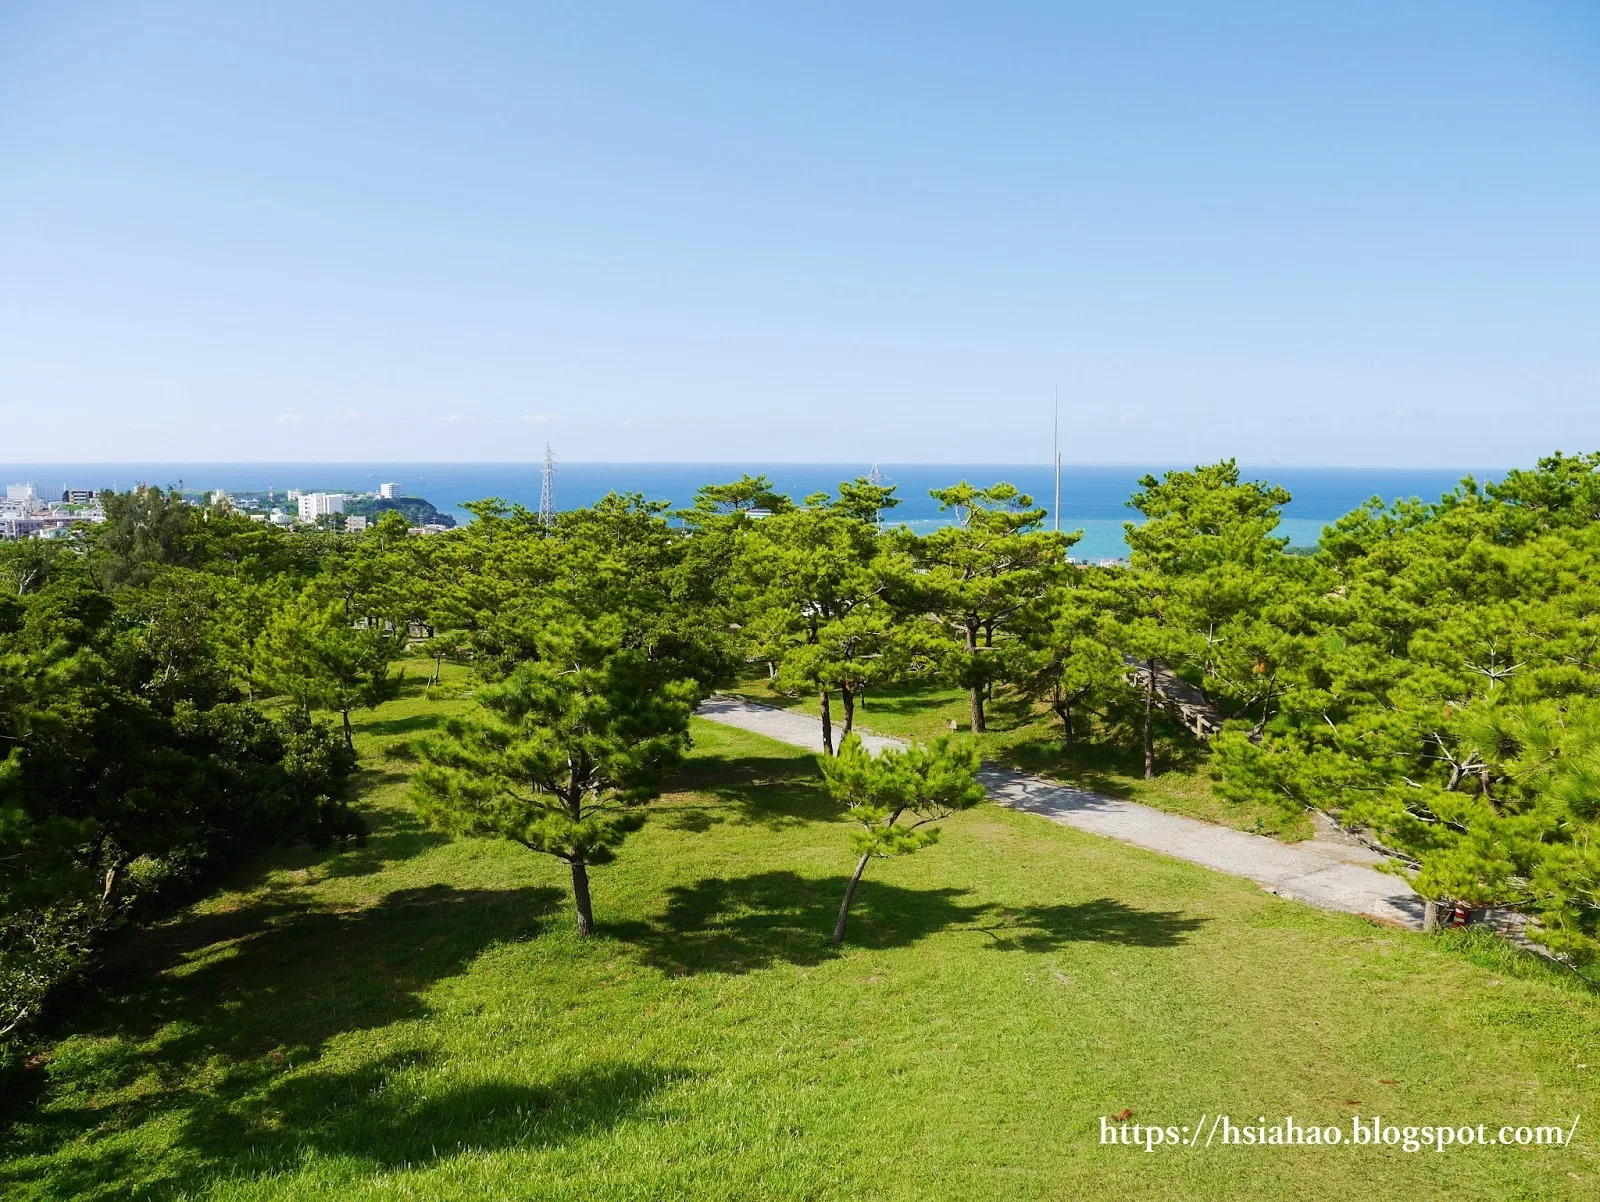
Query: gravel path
x,y
1328,872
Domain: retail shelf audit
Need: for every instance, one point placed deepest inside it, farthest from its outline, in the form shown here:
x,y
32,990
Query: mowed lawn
x,y
416,1020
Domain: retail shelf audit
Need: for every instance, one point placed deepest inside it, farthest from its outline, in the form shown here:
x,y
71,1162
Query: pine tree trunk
x,y
580,898
975,699
1149,720
113,878
349,739
849,700
849,896
827,723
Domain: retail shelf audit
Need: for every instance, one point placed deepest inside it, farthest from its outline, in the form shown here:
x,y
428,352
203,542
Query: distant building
x,y
78,496
279,518
15,527
355,523
22,494
314,505
40,524
74,511
388,491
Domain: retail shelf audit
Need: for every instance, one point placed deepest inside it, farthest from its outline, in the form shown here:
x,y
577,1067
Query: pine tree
x,y
815,586
923,784
320,659
563,753
980,579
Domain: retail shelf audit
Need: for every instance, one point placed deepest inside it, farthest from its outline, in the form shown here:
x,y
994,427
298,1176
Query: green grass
x,y
1025,736
415,1019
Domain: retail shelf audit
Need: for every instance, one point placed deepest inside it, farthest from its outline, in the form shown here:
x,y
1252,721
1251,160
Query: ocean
x,y
1093,497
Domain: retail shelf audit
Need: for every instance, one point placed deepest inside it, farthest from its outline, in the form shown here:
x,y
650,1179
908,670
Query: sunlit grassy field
x,y
1026,736
415,1019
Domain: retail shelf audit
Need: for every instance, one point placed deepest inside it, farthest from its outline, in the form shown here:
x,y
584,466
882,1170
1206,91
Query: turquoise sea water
x,y
1092,497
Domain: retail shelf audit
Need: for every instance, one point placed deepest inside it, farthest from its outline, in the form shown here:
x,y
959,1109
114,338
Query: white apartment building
x,y
22,494
355,524
314,505
388,491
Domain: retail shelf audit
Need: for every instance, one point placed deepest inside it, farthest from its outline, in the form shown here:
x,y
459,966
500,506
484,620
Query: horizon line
x,y
752,462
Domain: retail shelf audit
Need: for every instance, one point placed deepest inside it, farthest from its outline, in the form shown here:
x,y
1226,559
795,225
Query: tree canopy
x,y
563,752
1444,692
1428,676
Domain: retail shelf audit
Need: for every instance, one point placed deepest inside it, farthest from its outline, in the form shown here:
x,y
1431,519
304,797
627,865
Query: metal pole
x,y
1055,442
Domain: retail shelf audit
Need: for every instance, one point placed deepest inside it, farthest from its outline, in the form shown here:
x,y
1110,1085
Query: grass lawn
x,y
415,1019
1024,736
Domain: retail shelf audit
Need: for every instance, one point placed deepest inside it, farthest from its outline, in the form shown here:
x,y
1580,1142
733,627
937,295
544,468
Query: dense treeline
x,y
1438,683
1429,674
135,764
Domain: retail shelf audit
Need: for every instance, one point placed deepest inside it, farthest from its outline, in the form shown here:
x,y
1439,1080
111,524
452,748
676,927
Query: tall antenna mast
x,y
547,488
1055,441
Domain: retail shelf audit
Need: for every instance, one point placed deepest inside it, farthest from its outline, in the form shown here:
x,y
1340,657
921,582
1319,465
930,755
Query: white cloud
x,y
540,419
291,419
452,418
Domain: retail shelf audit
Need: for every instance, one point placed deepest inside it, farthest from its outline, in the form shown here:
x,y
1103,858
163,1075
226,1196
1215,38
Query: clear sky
x,y
1345,233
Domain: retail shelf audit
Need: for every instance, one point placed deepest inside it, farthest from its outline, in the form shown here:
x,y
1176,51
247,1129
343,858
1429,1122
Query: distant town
x,y
29,512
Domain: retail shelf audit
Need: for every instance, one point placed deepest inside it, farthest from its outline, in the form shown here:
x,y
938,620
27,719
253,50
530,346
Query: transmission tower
x,y
547,488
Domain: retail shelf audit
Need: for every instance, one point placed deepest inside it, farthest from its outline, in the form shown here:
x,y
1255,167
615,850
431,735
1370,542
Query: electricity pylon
x,y
547,488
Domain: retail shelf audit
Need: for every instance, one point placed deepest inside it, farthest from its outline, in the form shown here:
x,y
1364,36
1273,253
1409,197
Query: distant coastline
x,y
1093,497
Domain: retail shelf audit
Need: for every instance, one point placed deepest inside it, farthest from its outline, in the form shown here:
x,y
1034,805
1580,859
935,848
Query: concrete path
x,y
1330,871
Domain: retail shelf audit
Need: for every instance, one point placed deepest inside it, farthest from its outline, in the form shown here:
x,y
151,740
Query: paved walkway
x,y
1328,872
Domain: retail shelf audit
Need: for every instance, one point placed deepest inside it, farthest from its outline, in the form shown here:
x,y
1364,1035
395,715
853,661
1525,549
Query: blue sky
x,y
1355,233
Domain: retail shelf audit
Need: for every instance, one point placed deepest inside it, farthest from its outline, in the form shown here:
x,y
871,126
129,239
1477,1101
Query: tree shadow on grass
x,y
396,834
410,724
380,1119
1007,710
773,791
198,1016
1103,920
375,1118
749,923
285,974
905,705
